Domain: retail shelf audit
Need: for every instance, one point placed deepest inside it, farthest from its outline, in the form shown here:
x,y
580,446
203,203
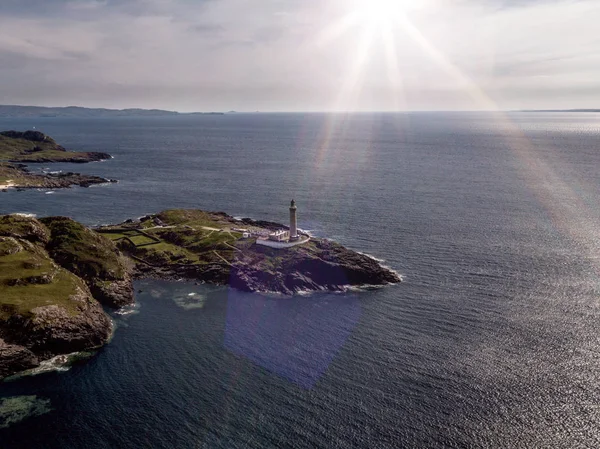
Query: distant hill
x,y
10,111
561,110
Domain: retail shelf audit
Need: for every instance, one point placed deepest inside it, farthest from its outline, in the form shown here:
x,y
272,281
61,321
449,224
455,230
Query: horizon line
x,y
233,111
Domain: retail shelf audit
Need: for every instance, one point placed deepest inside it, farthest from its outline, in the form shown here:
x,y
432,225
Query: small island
x,y
17,148
56,274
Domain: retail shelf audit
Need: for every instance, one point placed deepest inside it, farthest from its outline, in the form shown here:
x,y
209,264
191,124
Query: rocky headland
x,y
56,274
17,148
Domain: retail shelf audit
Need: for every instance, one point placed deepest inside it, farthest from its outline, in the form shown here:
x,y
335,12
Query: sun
x,y
380,12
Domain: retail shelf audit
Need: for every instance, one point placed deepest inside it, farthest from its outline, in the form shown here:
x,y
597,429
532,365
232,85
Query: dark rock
x,y
52,330
33,136
15,358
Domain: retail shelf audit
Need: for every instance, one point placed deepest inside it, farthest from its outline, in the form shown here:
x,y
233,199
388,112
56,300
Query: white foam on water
x,y
60,363
305,292
309,232
126,311
190,301
372,257
15,409
51,192
25,214
382,263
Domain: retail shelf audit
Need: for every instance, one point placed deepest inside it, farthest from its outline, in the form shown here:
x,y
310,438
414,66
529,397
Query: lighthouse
x,y
293,222
284,238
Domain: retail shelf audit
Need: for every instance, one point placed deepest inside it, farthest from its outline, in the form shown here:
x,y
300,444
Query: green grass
x,y
139,240
196,240
23,299
32,261
160,253
19,177
114,236
12,149
194,218
22,264
23,227
184,240
82,251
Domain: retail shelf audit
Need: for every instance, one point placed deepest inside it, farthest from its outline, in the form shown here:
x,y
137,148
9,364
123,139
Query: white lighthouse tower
x,y
293,222
284,238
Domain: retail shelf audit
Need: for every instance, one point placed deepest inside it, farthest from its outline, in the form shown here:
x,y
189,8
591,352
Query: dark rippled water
x,y
491,341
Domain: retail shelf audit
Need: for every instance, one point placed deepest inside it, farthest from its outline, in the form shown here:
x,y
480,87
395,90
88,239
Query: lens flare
x,y
381,12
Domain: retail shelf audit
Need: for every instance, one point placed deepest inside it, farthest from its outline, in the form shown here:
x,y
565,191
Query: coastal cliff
x,y
56,274
34,146
46,308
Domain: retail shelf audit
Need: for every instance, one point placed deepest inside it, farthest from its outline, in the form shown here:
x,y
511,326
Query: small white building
x,y
279,236
283,238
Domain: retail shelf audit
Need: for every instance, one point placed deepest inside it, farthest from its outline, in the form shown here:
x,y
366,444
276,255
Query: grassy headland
x,y
29,278
34,146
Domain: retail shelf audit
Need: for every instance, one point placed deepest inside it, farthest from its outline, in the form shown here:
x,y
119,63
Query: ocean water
x,y
492,340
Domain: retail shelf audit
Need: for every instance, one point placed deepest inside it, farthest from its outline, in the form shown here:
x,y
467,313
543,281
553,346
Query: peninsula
x,y
56,274
15,111
17,148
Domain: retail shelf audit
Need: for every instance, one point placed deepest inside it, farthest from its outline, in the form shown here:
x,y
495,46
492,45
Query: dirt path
x,y
221,257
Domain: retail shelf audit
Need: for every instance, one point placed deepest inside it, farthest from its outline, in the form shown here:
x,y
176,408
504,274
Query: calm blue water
x,y
491,341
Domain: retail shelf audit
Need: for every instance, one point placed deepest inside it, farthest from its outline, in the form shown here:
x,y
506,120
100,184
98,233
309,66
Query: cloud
x,y
270,55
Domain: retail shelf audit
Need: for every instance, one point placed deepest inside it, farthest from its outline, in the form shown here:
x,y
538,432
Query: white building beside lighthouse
x,y
285,238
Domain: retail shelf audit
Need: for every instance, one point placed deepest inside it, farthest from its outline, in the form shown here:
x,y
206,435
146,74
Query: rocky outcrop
x,y
15,358
23,179
93,258
55,274
33,136
321,266
46,309
73,158
34,146
114,294
51,330
25,228
318,265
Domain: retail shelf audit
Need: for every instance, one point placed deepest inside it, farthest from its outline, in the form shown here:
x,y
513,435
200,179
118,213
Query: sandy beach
x,y
7,184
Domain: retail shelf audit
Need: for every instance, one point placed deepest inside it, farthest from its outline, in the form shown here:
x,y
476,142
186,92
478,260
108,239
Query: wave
x,y
60,363
309,232
372,257
128,310
25,214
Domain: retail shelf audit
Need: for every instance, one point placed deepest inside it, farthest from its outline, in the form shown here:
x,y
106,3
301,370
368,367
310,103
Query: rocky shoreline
x,y
18,147
18,177
56,274
193,237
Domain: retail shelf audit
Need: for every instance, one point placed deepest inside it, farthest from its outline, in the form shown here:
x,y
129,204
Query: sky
x,y
301,55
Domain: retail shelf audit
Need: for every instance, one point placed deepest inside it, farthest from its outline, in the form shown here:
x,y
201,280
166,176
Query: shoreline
x,y
56,275
33,147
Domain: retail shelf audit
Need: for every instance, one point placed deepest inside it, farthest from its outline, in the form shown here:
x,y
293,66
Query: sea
x,y
492,340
